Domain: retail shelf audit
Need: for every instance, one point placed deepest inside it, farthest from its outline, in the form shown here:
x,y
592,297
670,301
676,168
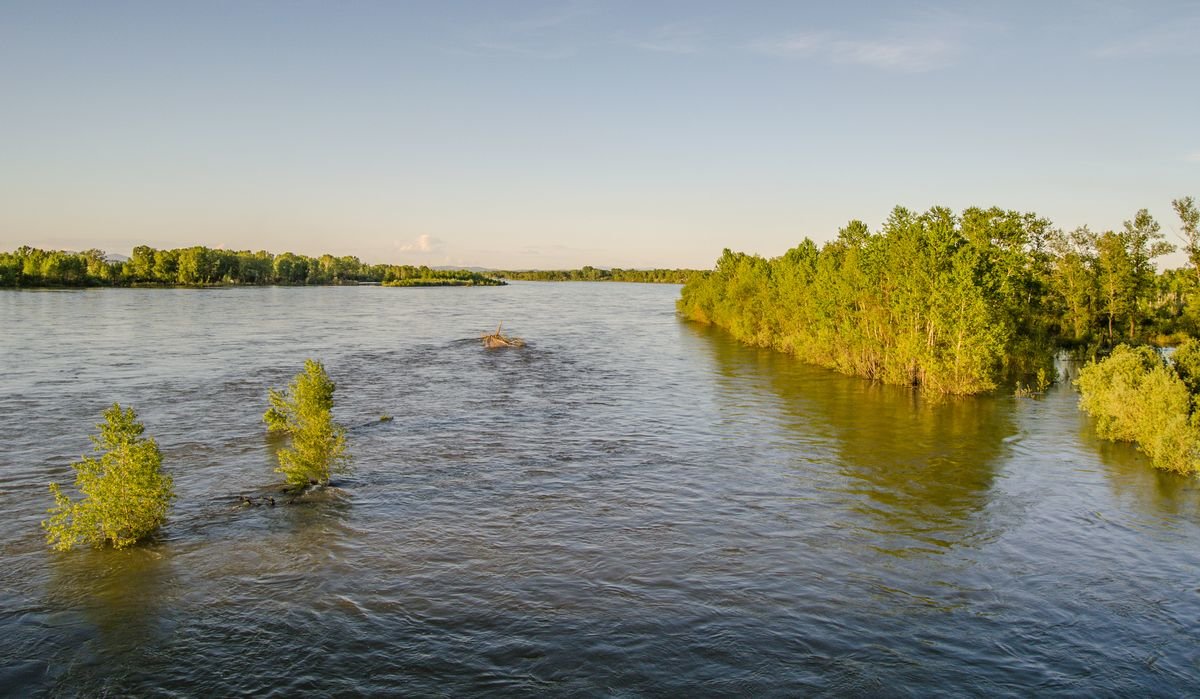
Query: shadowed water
x,y
630,505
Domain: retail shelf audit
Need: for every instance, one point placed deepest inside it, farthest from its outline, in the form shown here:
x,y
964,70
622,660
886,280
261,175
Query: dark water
x,y
629,506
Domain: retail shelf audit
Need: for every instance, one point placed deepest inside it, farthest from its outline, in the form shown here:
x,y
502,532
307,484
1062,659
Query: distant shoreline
x,y
199,267
202,267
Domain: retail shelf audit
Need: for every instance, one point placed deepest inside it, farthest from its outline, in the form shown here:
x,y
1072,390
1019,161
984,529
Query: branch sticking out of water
x,y
497,340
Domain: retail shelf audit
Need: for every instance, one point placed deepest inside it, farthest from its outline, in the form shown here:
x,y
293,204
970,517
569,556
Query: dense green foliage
x,y
596,274
1137,396
305,412
932,300
201,266
125,494
949,303
467,279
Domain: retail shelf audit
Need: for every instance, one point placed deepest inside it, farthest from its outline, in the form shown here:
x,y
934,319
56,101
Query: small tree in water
x,y
125,493
305,411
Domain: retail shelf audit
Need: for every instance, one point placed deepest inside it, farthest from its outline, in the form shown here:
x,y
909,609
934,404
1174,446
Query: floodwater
x,y
632,505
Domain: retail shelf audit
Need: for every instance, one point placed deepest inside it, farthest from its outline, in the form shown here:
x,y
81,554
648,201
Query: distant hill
x,y
455,268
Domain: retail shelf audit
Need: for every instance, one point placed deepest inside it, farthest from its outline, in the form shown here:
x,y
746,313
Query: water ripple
x,y
628,506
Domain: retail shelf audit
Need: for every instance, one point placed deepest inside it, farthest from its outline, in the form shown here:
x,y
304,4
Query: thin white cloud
x,y
804,44
548,35
424,244
924,41
549,20
676,37
1193,157
1179,37
902,55
529,49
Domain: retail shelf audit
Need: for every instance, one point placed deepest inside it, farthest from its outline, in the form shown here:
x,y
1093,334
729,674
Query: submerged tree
x,y
125,493
1138,397
305,411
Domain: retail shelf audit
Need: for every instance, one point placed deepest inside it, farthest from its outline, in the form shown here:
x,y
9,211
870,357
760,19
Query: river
x,y
631,505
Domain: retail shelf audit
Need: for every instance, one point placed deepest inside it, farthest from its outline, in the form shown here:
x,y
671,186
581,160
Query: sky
x,y
559,134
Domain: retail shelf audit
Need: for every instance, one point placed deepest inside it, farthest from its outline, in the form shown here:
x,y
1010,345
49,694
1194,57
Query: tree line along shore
x,y
955,303
963,303
29,267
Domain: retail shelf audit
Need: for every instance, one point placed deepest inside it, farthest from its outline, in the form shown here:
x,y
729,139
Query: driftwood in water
x,y
496,340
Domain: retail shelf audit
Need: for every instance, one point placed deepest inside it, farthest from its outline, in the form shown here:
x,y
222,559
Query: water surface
x,y
631,505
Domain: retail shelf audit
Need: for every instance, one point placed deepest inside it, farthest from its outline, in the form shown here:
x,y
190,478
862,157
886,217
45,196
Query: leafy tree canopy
x,y
125,494
304,411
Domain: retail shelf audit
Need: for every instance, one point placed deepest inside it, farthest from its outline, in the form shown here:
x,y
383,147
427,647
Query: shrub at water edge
x,y
125,493
305,411
1186,362
1137,397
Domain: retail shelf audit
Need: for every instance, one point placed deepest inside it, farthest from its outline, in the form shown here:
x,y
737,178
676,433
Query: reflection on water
x,y
1152,491
120,593
920,468
114,605
630,505
1158,493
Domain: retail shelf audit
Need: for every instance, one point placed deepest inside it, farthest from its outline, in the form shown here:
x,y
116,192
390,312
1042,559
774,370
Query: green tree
x,y
1117,279
10,269
1189,219
1073,280
1143,242
932,300
140,267
196,265
291,268
1135,397
65,268
166,266
1186,361
1168,303
305,411
125,493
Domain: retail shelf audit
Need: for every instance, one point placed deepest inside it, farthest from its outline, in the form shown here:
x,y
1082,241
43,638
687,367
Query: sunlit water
x,y
631,505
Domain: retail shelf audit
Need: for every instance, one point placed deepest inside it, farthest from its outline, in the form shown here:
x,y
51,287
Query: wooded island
x,y
201,266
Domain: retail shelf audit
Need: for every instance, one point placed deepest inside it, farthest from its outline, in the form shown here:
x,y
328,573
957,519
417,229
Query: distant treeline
x,y
596,274
201,266
950,302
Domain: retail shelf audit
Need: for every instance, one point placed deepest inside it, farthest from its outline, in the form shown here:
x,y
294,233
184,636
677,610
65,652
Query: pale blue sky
x,y
623,133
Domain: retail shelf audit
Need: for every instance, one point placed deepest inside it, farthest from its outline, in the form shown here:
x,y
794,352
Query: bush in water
x,y
305,411
125,493
1137,397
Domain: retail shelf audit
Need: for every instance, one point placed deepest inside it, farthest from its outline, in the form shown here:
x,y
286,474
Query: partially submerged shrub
x,y
1186,361
305,411
125,493
1136,397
